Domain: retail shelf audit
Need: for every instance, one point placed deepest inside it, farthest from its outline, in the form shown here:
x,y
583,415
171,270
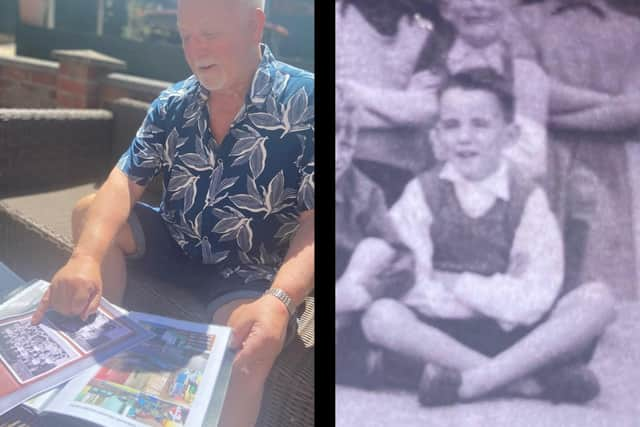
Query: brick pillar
x,y
79,77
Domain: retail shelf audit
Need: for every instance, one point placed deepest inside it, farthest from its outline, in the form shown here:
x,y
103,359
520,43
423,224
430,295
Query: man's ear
x,y
257,21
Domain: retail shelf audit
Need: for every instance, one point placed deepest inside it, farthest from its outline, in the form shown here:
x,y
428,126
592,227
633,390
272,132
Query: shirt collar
x,y
497,184
595,6
464,56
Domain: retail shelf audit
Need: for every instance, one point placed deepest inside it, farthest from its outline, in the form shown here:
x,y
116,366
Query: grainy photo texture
x,y
487,212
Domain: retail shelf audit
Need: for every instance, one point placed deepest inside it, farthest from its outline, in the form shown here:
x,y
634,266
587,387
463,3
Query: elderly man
x,y
235,145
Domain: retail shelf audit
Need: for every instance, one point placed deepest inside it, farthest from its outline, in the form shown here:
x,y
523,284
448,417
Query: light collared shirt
x,y
523,294
463,56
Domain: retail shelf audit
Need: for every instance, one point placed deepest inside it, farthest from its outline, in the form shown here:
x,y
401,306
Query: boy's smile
x,y
472,131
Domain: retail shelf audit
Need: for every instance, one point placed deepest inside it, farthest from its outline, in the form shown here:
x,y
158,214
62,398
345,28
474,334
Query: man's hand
x,y
75,290
259,331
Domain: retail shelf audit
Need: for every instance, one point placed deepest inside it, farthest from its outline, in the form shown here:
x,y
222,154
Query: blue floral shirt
x,y
234,204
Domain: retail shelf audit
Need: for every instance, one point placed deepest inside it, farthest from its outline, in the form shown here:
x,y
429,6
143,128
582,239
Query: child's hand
x,y
351,297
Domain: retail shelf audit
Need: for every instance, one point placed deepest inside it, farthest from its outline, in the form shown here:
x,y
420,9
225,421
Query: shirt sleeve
x,y
306,160
306,169
536,270
412,218
144,158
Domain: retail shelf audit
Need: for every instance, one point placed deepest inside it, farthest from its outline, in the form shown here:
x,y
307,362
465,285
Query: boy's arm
x,y
534,280
370,258
386,107
412,219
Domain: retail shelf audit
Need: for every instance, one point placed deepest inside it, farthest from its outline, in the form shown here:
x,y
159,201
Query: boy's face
x,y
472,131
345,143
478,22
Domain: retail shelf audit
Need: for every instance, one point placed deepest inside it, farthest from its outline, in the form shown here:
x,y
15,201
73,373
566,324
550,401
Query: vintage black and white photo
x,y
487,212
30,351
99,330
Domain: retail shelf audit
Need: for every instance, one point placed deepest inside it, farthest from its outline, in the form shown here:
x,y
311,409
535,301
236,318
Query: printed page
x,y
35,358
167,380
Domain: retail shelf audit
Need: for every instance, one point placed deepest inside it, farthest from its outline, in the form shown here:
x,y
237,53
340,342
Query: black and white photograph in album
x,y
487,213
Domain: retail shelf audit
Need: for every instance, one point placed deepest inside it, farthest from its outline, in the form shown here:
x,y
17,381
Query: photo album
x,y
118,368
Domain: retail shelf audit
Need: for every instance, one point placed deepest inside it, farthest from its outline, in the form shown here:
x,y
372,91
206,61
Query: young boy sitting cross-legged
x,y
486,313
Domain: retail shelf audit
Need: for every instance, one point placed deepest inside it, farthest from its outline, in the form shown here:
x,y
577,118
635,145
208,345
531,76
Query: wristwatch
x,y
282,296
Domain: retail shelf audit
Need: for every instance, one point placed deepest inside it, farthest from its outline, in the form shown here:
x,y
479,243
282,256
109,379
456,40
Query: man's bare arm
x,y
76,288
259,328
107,214
296,275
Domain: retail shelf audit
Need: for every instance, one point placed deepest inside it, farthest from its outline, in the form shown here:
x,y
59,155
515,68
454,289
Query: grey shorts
x,y
158,255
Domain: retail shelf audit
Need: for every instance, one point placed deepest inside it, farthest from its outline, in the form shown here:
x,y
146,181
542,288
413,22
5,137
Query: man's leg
x,y
244,395
580,316
114,273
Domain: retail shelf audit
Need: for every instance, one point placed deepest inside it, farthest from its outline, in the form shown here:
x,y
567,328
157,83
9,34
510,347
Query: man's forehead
x,y
205,12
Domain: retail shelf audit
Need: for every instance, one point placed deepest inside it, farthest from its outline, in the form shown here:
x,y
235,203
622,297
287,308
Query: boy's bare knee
x,y
382,315
596,298
79,214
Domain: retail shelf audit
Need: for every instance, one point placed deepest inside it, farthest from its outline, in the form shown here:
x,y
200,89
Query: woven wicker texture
x,y
48,148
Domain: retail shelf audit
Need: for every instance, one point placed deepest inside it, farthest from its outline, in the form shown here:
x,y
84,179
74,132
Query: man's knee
x,y
384,314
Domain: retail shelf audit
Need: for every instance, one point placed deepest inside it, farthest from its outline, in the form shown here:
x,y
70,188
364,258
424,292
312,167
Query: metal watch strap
x,y
282,296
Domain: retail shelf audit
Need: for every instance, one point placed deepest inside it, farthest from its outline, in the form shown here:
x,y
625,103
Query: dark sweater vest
x,y
476,245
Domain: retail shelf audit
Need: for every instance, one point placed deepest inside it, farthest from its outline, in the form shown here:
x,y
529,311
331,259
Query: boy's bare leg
x,y
390,324
580,316
114,268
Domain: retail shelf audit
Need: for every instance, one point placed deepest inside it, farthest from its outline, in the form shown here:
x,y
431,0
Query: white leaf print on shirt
x,y
182,185
294,116
234,225
249,147
217,185
269,200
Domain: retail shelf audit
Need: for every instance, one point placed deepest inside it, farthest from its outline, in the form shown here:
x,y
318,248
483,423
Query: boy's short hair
x,y
488,80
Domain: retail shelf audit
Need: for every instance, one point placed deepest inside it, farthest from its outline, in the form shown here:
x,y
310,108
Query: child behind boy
x,y
371,261
482,314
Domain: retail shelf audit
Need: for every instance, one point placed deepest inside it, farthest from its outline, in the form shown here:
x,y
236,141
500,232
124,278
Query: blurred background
x,y
140,32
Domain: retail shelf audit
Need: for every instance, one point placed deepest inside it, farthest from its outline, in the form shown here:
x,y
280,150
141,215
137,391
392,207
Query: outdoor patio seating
x,y
51,158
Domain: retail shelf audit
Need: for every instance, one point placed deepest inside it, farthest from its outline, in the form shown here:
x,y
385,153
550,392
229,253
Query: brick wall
x,y
27,83
79,79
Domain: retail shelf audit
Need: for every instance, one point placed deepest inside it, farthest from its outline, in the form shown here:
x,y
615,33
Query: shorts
x,y
158,255
485,335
